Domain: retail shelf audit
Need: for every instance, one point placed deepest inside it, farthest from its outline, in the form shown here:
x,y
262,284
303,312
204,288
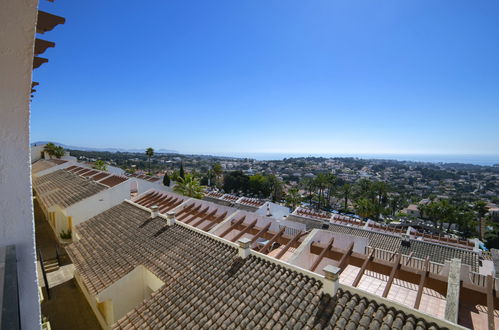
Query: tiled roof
x,y
163,200
251,202
437,252
208,286
313,214
143,177
214,194
43,164
64,188
113,180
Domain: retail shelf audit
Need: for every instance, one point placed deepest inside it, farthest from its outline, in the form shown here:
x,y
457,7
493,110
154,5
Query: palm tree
x,y
480,208
331,185
189,186
217,171
149,153
293,198
58,152
100,165
345,191
181,171
365,208
309,185
53,150
49,148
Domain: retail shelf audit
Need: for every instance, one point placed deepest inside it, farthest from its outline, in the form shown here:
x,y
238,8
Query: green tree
x,y
276,187
217,172
480,207
365,208
309,185
53,151
175,175
58,152
149,154
166,180
49,148
181,172
189,186
236,181
345,191
293,198
100,165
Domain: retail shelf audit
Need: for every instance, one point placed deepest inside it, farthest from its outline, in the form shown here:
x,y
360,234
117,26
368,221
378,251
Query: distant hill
x,y
158,151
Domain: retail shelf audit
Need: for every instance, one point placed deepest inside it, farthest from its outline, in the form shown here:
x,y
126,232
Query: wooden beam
x,y
215,221
395,267
153,201
266,248
165,201
206,217
453,291
232,226
145,197
409,258
490,302
186,209
322,254
170,205
290,243
366,262
193,215
260,233
244,231
188,212
344,258
422,280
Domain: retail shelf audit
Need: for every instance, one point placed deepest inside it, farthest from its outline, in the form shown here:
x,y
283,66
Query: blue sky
x,y
389,77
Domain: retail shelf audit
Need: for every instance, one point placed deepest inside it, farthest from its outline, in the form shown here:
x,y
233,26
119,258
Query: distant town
x,y
458,199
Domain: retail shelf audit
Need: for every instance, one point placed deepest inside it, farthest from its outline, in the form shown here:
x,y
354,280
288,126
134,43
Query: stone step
x,y
51,265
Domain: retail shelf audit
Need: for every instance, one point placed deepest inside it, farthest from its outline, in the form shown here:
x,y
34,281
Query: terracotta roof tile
x,y
206,284
64,188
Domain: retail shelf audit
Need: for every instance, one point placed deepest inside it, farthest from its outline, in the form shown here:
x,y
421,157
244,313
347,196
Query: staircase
x,y
51,265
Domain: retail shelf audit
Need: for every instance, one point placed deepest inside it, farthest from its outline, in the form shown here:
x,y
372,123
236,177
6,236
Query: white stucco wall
x,y
145,185
98,203
17,32
130,291
36,152
54,168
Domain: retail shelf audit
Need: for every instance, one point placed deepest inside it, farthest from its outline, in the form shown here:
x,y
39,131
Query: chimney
x,y
244,247
331,280
154,211
170,218
268,210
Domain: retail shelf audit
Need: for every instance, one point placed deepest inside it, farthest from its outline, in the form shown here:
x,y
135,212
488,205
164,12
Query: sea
x,y
483,160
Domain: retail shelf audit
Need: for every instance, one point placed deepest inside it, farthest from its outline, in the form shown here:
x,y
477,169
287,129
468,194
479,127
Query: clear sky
x,y
408,77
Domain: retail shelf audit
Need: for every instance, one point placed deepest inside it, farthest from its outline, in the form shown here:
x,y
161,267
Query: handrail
x,y
44,273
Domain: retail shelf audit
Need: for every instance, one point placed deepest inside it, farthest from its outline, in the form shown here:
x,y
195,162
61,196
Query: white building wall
x,y
54,168
129,291
145,185
36,152
98,203
17,32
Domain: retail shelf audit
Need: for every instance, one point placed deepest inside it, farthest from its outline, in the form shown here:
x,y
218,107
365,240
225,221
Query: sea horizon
x,y
483,160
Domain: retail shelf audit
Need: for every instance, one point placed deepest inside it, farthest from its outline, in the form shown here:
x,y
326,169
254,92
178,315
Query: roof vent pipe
x,y
154,211
170,218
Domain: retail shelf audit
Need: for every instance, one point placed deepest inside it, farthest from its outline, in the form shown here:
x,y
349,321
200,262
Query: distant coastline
x,y
483,160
